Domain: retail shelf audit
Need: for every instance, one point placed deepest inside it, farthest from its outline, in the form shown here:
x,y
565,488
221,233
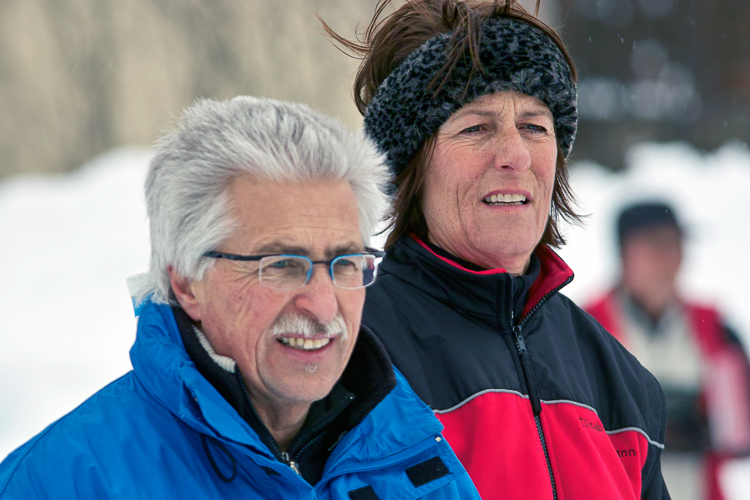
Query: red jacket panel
x,y
546,405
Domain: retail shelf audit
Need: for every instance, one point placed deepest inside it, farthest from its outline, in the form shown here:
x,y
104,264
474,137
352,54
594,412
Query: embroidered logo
x,y
588,424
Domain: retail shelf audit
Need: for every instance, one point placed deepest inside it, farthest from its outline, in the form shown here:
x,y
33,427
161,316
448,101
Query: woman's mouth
x,y
505,199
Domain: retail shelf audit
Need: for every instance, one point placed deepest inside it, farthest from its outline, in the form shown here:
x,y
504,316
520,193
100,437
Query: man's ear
x,y
183,291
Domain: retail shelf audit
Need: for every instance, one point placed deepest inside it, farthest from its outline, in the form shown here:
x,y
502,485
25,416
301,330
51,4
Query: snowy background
x,y
71,240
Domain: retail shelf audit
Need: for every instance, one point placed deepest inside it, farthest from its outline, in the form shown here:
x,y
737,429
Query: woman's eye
x,y
535,128
472,129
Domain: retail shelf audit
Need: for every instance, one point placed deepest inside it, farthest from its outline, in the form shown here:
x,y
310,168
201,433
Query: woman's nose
x,y
511,150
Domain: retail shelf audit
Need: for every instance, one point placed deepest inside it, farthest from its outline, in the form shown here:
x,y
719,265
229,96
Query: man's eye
x,y
285,265
343,267
346,263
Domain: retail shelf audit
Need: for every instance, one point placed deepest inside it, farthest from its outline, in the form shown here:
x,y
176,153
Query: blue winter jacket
x,y
154,432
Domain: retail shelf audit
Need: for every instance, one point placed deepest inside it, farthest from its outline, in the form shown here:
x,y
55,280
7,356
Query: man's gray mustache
x,y
304,325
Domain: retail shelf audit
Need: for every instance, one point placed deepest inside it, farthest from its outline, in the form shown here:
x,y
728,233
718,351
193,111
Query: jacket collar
x,y
477,293
554,275
166,372
366,380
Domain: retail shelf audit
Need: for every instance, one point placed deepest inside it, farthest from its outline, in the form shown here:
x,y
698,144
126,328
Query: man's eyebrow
x,y
281,248
349,248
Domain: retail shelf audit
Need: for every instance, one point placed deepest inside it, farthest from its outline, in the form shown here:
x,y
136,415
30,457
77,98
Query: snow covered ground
x,y
70,241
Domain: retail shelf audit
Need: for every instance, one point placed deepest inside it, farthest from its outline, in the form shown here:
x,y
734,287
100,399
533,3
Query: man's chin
x,y
307,394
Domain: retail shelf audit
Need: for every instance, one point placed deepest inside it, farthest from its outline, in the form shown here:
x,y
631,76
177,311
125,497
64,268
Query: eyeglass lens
x,y
347,271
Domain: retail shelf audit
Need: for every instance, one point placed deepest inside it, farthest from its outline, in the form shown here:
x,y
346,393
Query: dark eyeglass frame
x,y
249,258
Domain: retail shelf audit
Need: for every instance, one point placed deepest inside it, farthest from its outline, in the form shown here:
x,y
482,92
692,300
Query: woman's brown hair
x,y
386,42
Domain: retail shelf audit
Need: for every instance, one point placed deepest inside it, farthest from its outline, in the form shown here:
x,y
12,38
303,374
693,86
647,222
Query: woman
x,y
474,105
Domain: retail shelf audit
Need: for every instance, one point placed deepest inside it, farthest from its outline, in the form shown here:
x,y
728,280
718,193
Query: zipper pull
x,y
518,335
291,463
536,404
519,340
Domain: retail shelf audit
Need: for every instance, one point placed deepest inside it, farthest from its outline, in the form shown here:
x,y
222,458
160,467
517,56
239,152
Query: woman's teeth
x,y
304,344
515,199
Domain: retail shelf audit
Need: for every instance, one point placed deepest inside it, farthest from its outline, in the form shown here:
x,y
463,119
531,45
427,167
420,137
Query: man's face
x,y
651,260
488,187
238,314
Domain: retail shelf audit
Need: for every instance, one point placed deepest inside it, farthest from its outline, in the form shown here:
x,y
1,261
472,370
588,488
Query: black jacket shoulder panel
x,y
443,353
451,346
590,366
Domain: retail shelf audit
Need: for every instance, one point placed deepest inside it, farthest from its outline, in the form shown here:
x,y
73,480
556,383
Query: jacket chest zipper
x,y
282,456
291,463
528,375
536,404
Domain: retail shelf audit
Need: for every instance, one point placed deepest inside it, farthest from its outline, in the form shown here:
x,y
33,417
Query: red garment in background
x,y
726,385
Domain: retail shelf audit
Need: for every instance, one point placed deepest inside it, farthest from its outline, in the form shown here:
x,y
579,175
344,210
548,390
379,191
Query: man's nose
x,y
318,296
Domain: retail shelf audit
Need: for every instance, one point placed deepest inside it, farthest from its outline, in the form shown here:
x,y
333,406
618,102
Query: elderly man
x,y
252,377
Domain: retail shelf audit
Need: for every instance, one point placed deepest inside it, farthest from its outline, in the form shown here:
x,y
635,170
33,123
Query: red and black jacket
x,y
547,405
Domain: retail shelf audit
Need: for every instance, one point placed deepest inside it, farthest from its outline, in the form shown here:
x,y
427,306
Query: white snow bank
x,y
66,320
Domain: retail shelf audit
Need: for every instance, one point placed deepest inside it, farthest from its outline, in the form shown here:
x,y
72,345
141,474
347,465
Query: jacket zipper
x,y
523,355
289,459
291,463
536,404
281,456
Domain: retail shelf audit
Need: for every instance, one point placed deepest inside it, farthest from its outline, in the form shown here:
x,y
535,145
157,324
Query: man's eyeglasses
x,y
293,271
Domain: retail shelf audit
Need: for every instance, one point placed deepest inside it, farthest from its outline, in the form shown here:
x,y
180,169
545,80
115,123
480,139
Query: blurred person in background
x,y
251,375
474,105
696,357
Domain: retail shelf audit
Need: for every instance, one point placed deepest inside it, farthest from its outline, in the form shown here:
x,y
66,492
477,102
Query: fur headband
x,y
515,57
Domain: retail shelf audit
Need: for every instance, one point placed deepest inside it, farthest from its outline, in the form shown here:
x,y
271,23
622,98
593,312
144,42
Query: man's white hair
x,y
215,142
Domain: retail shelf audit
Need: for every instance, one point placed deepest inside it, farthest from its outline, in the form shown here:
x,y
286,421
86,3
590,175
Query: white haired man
x,y
252,377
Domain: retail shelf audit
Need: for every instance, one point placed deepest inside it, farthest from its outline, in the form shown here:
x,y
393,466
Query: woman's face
x,y
488,186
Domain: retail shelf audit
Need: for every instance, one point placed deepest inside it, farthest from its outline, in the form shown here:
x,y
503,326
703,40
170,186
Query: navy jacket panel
x,y
548,395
